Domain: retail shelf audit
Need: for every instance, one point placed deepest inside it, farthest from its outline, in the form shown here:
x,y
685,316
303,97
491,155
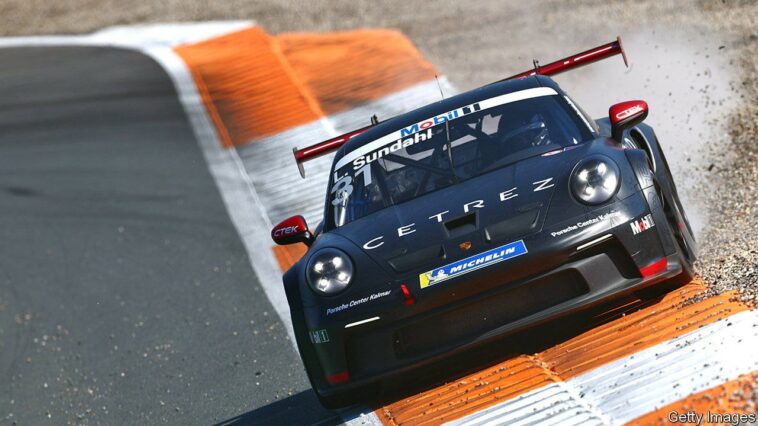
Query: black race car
x,y
475,217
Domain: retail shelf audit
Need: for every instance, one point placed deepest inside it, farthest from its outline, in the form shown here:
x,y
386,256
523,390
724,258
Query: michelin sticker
x,y
477,261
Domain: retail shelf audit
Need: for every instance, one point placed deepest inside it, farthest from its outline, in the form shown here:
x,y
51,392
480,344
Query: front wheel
x,y
333,402
659,290
677,222
674,218
365,394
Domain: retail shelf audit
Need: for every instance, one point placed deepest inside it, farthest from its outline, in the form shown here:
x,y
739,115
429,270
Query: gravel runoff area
x,y
713,44
729,248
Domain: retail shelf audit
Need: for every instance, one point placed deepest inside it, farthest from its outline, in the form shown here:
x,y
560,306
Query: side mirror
x,y
625,115
292,230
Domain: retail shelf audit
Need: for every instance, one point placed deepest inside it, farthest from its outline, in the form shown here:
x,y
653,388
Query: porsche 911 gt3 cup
x,y
475,217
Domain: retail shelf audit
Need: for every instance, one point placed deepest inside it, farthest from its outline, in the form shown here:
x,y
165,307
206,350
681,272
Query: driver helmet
x,y
523,129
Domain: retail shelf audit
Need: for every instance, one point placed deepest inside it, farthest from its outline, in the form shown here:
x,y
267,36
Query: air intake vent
x,y
416,259
461,226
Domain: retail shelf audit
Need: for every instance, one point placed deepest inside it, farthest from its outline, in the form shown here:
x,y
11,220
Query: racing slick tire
x,y
346,399
680,227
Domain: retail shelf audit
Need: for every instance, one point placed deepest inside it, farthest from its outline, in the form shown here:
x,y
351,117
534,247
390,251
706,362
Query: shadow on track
x,y
304,408
300,409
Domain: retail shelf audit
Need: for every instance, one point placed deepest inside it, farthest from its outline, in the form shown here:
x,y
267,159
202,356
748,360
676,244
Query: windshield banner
x,y
360,156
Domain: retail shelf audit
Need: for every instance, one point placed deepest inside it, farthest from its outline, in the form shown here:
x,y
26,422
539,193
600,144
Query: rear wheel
x,y
686,253
685,257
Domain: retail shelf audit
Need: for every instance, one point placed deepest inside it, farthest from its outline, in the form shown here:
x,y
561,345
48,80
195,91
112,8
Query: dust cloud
x,y
686,82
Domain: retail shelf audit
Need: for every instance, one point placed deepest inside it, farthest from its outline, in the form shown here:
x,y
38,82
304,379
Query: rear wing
x,y
574,61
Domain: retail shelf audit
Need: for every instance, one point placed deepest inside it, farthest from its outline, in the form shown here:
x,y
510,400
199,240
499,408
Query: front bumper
x,y
563,272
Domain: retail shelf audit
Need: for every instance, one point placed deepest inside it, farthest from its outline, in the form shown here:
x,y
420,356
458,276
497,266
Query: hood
x,y
452,223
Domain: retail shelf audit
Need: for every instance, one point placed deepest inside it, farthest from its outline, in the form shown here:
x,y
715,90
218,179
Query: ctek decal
x,y
286,231
628,112
357,302
642,224
318,336
478,261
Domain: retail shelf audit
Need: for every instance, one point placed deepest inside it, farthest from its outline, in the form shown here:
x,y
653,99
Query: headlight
x,y
595,180
329,271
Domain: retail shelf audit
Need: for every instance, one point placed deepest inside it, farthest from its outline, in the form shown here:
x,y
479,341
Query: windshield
x,y
450,148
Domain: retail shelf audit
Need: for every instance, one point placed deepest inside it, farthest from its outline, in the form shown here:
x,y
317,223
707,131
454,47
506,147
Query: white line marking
x,y
362,417
139,37
633,386
665,373
242,202
543,405
571,390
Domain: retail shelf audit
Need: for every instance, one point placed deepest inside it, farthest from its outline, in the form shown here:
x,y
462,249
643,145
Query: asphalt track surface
x,y
126,296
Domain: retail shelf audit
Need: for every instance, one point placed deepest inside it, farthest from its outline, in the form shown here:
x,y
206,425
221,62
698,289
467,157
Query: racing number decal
x,y
342,189
366,172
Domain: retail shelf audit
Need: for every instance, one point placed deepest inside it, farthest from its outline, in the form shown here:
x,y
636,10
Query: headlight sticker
x,y
477,261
